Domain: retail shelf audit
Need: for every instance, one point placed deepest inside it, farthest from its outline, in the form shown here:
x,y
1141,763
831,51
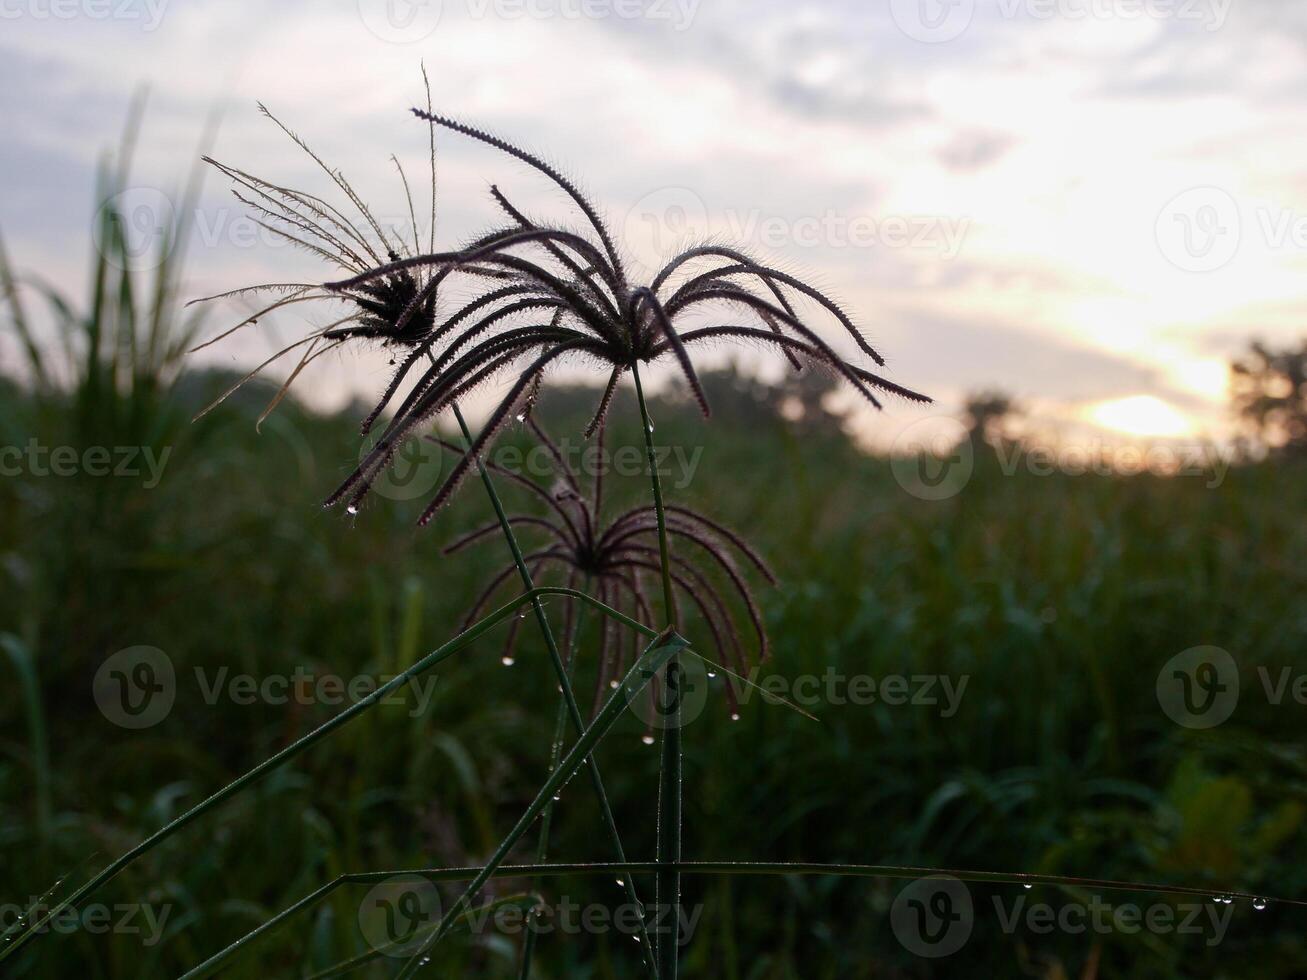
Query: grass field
x,y
1048,605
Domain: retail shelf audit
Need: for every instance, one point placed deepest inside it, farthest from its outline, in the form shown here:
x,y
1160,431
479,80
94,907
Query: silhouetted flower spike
x,y
605,400
593,274
397,310
646,296
613,555
586,207
597,313
436,394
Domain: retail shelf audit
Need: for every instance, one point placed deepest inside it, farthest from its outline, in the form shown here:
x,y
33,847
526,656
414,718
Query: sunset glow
x,y
1141,415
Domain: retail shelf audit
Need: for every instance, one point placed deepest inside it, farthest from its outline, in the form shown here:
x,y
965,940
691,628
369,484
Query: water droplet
x,y
557,797
1027,887
735,716
621,883
614,684
712,674
636,938
507,661
352,509
1259,904
521,416
647,739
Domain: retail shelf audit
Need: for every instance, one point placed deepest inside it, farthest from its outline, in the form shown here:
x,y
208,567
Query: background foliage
x,y
1058,597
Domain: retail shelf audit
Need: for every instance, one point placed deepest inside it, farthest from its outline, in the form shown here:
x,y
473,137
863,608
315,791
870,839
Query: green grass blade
x,y
38,735
18,314
767,868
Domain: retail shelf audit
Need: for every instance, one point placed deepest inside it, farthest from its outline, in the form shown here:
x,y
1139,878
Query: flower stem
x,y
555,753
667,896
564,682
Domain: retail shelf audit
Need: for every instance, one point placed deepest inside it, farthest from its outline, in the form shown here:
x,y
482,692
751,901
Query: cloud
x,y
973,150
1056,140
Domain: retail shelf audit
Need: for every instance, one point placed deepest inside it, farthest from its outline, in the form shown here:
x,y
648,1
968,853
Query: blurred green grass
x,y
1059,598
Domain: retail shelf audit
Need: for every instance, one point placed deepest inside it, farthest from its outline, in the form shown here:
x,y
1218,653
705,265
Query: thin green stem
x,y
668,879
555,753
669,597
564,682
663,648
16,942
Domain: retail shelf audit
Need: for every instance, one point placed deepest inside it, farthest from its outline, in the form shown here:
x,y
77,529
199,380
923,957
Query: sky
x,y
1090,205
